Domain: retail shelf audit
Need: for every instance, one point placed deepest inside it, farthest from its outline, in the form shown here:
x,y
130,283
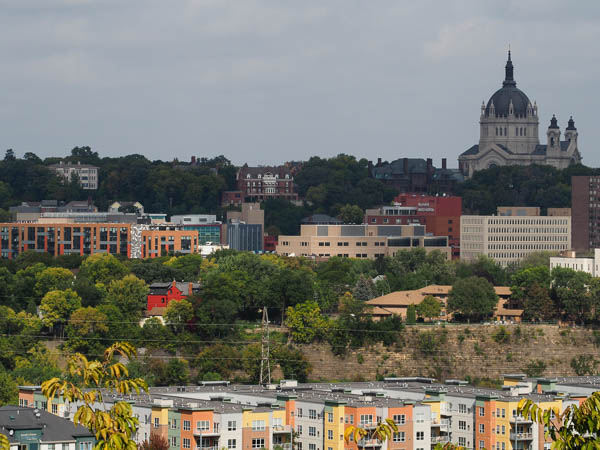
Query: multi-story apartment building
x,y
570,261
440,215
87,174
359,241
585,212
61,238
509,239
316,416
208,227
263,182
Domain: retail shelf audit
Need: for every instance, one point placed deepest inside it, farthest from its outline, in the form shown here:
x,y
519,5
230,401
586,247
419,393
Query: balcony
x,y
214,447
519,419
369,443
206,433
441,439
443,424
521,436
284,446
279,429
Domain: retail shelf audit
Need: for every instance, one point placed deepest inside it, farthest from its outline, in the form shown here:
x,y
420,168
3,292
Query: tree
x,y
113,428
577,427
156,442
429,308
574,297
178,314
472,297
306,323
364,289
351,214
103,268
411,314
584,365
129,294
86,328
363,436
9,392
57,306
53,279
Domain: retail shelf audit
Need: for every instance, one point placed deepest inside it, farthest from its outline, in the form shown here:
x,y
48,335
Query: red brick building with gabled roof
x,y
161,294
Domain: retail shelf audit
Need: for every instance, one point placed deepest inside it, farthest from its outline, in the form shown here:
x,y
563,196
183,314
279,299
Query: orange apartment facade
x,y
130,240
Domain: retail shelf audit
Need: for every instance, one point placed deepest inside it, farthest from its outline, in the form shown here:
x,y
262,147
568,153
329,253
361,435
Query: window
x,y
258,443
481,444
50,446
174,441
231,425
312,446
54,409
481,411
420,418
258,425
312,413
400,419
330,435
231,443
173,424
186,425
299,413
84,446
156,422
300,430
299,444
366,419
503,412
503,429
481,428
462,441
185,443
420,435
312,431
330,417
203,425
400,436
462,425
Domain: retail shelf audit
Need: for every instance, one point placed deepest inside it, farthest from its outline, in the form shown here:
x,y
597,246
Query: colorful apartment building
x,y
130,240
316,416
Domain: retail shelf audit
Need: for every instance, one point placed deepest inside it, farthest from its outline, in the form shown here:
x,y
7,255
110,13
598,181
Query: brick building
x,y
440,215
261,183
161,294
130,240
585,212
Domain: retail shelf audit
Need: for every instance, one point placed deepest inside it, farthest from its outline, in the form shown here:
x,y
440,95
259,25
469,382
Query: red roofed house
x,y
162,293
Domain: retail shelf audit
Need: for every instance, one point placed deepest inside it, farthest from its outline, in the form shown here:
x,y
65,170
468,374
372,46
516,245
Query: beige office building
x,y
359,241
510,238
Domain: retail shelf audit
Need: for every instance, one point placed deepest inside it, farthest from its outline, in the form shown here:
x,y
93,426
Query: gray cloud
x,y
269,81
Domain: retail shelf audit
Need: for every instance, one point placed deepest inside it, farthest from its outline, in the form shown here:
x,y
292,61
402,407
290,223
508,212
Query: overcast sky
x,y
268,81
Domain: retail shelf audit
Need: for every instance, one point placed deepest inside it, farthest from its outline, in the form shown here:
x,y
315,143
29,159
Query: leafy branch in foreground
x,y
114,427
382,432
577,427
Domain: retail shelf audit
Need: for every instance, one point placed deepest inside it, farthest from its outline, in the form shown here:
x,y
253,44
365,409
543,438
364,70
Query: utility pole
x,y
265,364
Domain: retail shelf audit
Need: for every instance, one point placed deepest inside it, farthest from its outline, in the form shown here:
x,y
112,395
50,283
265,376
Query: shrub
x,y
535,368
584,365
502,336
360,358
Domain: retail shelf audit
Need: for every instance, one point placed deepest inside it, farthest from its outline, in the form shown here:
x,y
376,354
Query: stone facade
x,y
509,134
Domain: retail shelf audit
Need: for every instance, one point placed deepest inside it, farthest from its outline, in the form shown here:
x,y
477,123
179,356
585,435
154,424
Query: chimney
x,y
378,162
443,163
405,161
193,160
429,165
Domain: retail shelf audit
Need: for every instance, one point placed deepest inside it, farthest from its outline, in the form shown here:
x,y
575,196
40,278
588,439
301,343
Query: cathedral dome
x,y
507,93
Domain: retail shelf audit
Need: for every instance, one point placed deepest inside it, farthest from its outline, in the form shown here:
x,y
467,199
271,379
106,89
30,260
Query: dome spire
x,y
509,79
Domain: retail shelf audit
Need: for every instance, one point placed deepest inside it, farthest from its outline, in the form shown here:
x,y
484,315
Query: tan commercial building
x,y
511,238
359,241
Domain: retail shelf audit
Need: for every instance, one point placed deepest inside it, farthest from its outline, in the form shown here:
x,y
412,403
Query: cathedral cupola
x,y
553,134
571,131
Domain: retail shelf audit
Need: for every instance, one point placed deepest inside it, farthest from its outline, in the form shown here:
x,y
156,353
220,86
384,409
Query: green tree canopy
x,y
57,306
129,294
429,308
53,279
306,322
472,297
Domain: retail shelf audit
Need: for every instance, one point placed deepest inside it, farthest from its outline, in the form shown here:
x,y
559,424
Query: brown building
x,y
397,303
359,241
585,212
439,214
261,183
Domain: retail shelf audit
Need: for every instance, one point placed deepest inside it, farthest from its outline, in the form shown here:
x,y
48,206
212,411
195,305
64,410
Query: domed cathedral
x,y
508,133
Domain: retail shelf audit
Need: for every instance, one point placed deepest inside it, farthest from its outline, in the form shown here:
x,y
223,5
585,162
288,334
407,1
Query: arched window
x,y
552,142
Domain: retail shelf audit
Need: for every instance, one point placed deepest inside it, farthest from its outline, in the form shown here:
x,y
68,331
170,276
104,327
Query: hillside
x,y
461,351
